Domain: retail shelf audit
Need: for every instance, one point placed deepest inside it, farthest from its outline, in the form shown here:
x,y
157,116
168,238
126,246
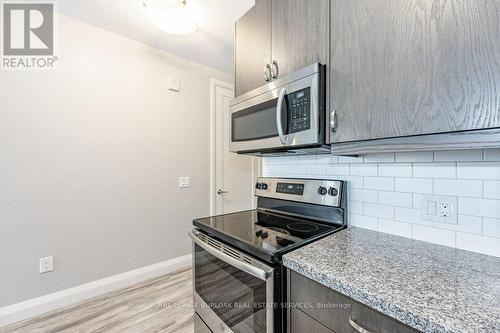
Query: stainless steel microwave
x,y
286,116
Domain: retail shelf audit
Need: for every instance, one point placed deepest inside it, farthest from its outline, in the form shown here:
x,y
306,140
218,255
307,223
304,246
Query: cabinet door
x,y
409,67
300,34
301,323
252,47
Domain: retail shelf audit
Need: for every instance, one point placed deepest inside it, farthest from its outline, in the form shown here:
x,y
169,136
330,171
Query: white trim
x,y
36,306
214,84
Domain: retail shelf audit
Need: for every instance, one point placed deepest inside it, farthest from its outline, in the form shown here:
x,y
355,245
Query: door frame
x,y
257,163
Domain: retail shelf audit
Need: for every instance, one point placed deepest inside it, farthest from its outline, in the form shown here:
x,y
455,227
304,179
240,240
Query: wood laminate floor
x,y
163,304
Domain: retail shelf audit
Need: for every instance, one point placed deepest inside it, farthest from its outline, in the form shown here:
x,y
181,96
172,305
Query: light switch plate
x,y
184,182
174,83
439,208
46,264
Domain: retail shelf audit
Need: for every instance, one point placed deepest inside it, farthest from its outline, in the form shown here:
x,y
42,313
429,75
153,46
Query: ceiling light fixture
x,y
171,16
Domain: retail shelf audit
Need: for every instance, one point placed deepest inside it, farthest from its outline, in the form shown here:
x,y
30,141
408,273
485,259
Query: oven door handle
x,y
262,272
279,114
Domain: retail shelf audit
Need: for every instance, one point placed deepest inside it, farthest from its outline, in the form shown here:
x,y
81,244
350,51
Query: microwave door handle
x,y
279,107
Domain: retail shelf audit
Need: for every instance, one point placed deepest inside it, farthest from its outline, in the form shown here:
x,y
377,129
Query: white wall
x,y
89,159
384,192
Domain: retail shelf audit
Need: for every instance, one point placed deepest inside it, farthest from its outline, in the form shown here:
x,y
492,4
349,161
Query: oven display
x,y
288,188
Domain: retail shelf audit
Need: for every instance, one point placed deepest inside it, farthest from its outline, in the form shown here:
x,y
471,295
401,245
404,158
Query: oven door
x,y
232,292
279,116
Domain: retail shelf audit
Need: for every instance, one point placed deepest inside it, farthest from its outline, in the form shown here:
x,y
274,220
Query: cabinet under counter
x,y
359,280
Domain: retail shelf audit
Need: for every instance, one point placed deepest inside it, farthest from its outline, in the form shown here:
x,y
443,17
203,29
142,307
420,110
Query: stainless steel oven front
x,y
233,292
288,113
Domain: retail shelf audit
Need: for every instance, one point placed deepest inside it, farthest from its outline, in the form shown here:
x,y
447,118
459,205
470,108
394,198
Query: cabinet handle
x,y
221,192
333,120
275,71
267,72
356,327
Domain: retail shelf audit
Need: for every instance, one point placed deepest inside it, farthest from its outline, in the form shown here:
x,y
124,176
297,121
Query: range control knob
x,y
322,190
333,191
264,186
258,186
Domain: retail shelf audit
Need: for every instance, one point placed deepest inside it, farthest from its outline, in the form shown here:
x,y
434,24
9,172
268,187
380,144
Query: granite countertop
x,y
429,287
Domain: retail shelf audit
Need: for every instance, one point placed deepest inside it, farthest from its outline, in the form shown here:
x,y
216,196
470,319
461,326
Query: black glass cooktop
x,y
264,234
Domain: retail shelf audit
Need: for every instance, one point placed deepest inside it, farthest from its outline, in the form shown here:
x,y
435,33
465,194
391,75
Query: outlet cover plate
x,y
46,264
439,208
184,182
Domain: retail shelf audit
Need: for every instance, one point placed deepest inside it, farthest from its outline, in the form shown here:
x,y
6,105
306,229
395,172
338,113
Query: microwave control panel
x,y
299,117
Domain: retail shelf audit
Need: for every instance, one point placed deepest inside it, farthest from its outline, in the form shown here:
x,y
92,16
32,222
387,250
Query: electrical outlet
x,y
46,264
439,208
184,182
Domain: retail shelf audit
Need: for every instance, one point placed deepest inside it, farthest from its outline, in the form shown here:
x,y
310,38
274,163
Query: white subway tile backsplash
x,y
276,169
458,155
398,199
470,224
492,155
363,195
434,235
385,192
363,170
491,227
395,228
434,170
298,169
492,189
489,170
422,156
290,160
379,183
395,170
350,159
479,207
375,210
352,181
409,215
316,169
355,207
326,159
458,187
379,158
306,159
417,200
338,170
477,243
414,185
363,221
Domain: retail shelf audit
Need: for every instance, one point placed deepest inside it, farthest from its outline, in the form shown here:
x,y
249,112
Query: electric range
x,y
238,280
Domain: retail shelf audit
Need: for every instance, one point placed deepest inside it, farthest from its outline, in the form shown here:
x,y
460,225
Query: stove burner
x,y
302,227
280,230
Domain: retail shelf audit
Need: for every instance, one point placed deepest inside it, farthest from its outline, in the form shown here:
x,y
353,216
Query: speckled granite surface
x,y
429,287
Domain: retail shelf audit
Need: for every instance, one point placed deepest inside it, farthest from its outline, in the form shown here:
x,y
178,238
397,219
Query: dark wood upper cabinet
x,y
286,35
411,67
253,47
300,34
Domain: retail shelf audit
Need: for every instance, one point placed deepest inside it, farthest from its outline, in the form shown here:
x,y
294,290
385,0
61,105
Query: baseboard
x,y
34,307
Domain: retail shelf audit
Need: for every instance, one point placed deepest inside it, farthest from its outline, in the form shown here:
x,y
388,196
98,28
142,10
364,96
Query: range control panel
x,y
300,110
316,191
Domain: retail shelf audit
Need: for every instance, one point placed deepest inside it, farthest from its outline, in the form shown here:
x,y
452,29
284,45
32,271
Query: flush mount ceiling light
x,y
171,16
